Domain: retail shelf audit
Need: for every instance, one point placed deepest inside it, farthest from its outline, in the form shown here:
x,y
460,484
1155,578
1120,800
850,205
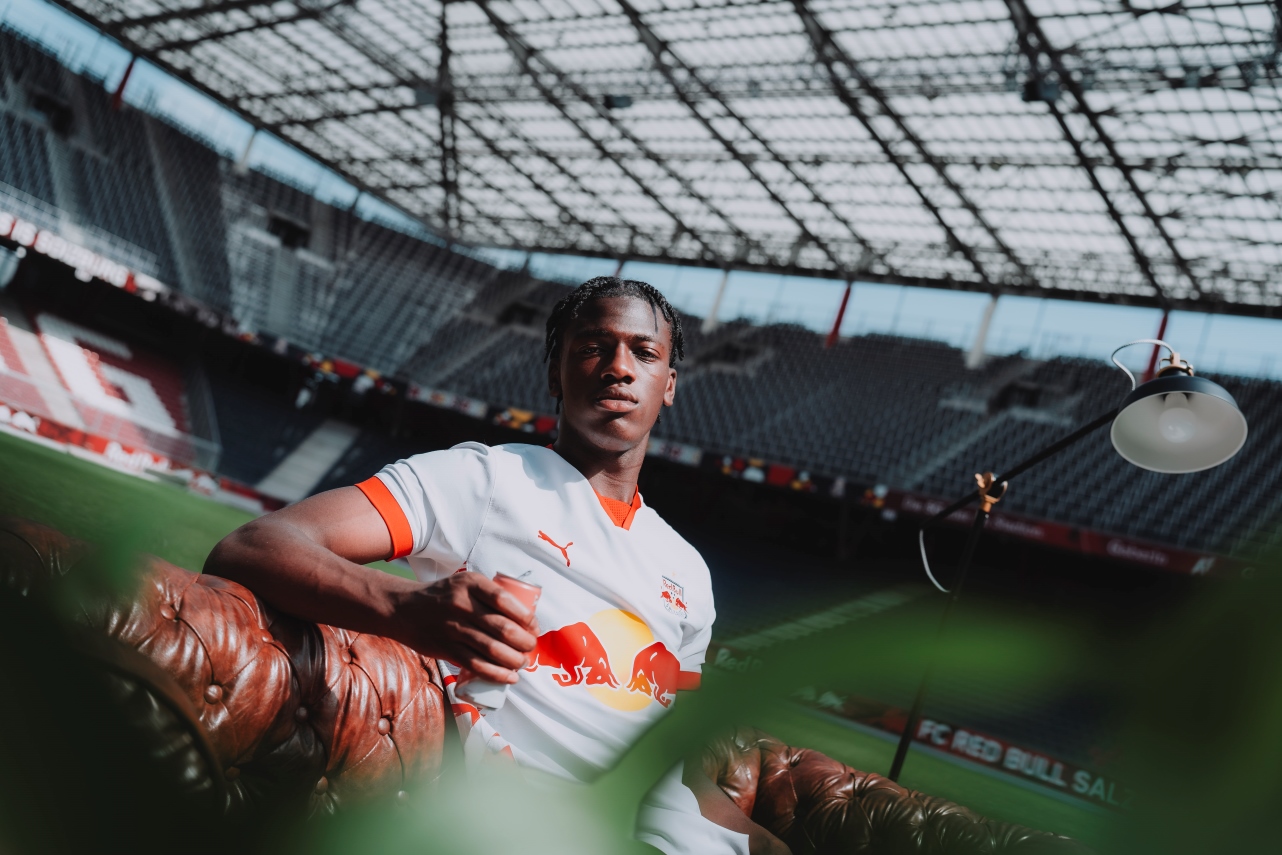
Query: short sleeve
x,y
435,504
694,647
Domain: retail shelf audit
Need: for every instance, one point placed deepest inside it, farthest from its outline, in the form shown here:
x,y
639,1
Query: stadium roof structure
x,y
1116,150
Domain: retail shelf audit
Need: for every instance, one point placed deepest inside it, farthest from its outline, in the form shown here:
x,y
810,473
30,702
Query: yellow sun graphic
x,y
624,635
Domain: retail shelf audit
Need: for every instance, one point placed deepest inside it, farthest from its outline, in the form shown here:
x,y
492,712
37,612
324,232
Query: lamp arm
x,y
1022,467
1016,470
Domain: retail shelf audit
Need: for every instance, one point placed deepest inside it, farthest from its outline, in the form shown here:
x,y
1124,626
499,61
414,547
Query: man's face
x,y
613,373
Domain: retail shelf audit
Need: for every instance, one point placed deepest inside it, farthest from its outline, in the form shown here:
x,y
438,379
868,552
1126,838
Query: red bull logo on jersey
x,y
577,653
671,594
587,652
654,673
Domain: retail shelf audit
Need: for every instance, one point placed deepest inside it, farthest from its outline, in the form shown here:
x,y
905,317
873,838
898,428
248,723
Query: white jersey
x,y
625,614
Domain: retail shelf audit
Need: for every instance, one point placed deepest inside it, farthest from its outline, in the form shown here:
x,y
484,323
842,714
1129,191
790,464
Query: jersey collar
x,y
620,513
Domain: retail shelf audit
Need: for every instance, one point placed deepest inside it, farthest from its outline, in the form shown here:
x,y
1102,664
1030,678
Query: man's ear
x,y
554,377
670,393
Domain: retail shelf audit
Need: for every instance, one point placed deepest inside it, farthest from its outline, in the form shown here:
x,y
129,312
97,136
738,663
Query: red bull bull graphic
x,y
581,653
655,673
578,653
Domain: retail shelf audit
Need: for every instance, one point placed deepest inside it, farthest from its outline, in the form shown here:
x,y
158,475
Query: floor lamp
x,y
1174,423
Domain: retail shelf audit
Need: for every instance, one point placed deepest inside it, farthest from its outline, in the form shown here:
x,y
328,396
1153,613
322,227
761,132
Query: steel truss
x,y
1121,150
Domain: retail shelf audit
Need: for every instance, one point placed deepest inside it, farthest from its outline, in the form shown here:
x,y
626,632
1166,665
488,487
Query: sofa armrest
x,y
816,804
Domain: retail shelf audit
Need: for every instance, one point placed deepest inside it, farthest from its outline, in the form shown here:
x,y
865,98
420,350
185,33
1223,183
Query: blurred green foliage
x,y
1204,731
1202,744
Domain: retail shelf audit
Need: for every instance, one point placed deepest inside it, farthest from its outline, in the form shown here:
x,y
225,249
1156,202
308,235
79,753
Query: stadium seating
x,y
370,453
282,262
114,169
24,163
258,428
16,387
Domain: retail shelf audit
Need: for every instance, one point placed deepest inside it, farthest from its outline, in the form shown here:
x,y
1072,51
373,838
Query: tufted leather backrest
x,y
818,805
291,710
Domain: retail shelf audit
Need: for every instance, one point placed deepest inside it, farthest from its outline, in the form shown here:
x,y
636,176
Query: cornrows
x,y
610,286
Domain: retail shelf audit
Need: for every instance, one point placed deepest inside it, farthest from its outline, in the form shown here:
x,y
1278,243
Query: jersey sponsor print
x,y
582,653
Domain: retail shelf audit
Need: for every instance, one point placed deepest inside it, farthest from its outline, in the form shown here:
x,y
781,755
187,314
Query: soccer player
x,y
626,609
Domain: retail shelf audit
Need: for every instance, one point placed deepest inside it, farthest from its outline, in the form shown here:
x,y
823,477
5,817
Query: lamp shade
x,y
1179,424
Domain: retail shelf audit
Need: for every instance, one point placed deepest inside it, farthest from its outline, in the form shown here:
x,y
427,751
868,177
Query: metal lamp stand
x,y
986,498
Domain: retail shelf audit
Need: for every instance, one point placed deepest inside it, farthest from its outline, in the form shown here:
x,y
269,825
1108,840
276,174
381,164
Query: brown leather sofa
x,y
253,707
819,806
275,709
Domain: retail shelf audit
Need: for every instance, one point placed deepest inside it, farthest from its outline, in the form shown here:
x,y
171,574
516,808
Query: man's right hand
x,y
469,620
306,560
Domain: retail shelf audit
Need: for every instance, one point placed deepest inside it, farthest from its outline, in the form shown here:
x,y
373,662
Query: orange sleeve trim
x,y
688,680
398,526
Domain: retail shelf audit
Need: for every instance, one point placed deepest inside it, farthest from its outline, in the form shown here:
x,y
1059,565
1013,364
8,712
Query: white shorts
x,y
670,821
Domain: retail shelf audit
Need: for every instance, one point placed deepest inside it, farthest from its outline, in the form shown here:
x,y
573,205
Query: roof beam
x,y
1049,160
445,116
344,115
190,12
301,15
1029,27
405,76
229,97
664,59
527,55
1088,166
1051,292
567,213
831,54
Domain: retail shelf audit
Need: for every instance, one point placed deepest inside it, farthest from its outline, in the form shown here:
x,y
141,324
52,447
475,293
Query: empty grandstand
x,y
307,275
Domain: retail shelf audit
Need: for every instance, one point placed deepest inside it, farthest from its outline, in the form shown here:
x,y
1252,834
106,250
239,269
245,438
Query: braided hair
x,y
610,286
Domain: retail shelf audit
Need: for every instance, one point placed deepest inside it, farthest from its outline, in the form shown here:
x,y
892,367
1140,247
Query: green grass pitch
x,y
99,504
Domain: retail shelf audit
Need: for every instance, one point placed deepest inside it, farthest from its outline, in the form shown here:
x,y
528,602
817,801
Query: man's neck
x,y
612,474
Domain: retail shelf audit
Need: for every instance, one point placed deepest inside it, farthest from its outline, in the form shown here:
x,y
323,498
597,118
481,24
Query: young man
x,y
626,608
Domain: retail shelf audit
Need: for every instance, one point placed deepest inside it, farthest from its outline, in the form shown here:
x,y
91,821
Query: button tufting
x,y
322,785
267,638
232,773
301,713
346,656
384,726
168,612
403,796
213,694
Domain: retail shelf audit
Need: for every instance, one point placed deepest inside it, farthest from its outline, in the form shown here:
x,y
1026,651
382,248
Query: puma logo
x,y
564,549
